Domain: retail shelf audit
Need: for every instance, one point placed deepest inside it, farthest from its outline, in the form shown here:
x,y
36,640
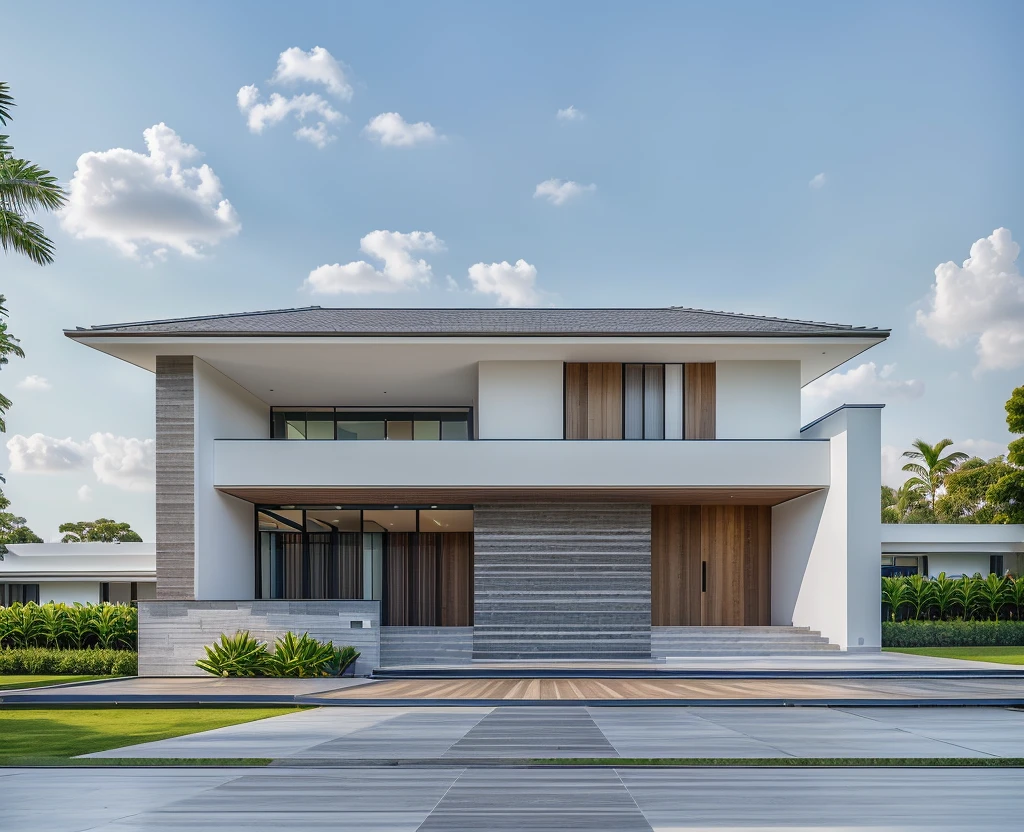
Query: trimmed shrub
x,y
952,633
92,662
242,654
60,626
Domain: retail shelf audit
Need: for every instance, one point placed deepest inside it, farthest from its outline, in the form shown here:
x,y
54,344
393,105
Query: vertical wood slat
x,y
604,401
576,401
456,588
699,401
396,563
423,568
175,477
675,566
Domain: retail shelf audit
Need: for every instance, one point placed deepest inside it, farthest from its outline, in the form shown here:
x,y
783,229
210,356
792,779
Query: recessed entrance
x,y
710,566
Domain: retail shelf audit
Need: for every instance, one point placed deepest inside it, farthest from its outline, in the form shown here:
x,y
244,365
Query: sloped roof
x,y
320,321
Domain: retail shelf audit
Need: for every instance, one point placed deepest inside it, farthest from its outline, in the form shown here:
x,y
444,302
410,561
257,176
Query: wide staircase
x,y
683,642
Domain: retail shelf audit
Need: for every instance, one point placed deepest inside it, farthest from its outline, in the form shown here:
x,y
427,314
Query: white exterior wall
x,y
825,545
961,563
69,592
520,400
757,399
224,540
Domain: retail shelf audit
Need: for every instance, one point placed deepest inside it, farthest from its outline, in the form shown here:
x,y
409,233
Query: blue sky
x,y
703,129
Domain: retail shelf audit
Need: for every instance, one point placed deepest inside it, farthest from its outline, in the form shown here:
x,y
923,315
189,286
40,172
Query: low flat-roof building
x,y
956,549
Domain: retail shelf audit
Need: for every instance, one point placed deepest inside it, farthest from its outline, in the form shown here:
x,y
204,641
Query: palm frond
x,y
25,237
6,103
27,187
919,471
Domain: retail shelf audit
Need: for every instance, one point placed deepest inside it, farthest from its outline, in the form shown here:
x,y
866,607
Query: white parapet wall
x,y
825,567
519,400
757,400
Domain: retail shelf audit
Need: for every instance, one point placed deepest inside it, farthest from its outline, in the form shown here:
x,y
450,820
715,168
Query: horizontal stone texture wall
x,y
172,633
562,581
436,646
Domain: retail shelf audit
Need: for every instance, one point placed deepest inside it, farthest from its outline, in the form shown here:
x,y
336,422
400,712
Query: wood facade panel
x,y
593,401
456,588
576,401
699,401
675,566
175,477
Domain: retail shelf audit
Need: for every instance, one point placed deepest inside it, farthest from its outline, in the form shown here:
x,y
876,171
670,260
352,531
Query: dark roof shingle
x,y
316,320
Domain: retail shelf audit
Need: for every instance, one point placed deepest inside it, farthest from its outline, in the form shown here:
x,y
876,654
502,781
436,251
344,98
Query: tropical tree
x,y
966,491
25,188
906,504
931,467
98,531
14,529
8,347
1007,493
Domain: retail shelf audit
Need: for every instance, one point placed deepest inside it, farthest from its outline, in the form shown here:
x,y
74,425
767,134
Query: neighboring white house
x,y
86,573
502,483
954,548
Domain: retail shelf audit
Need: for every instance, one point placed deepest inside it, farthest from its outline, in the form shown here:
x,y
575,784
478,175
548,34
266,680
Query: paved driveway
x,y
514,732
497,799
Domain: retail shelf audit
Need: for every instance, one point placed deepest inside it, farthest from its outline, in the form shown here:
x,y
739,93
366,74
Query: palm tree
x,y
933,466
24,188
906,504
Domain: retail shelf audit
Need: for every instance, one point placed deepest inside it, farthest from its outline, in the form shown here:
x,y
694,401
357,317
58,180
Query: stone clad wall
x,y
562,580
172,633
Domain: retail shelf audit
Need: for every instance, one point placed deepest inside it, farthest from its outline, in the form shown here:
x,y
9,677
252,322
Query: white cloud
x,y
559,191
864,384
277,108
133,200
817,181
570,113
981,301
512,285
35,383
129,464
317,66
400,272
391,130
316,135
85,494
984,448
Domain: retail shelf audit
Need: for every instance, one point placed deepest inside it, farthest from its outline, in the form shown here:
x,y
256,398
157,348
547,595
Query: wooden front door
x,y
710,566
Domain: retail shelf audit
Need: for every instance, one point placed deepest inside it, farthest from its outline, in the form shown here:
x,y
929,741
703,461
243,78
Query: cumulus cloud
x,y
391,130
864,384
158,200
981,301
126,463
570,113
817,181
85,494
294,66
401,272
34,383
560,191
511,285
317,66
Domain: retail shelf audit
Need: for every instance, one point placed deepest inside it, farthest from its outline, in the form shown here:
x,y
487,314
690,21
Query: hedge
x,y
952,633
94,662
108,626
977,598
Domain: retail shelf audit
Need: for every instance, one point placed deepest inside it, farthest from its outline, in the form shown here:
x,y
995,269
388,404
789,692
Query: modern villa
x,y
450,485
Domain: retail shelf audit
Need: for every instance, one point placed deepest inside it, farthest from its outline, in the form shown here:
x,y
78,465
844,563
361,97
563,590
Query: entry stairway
x,y
683,642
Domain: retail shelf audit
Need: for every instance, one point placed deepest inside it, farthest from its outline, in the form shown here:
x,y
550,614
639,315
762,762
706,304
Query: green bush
x,y
91,662
952,633
914,598
242,654
60,626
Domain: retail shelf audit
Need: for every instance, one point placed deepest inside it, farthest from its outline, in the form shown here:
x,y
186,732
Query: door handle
x,y
703,576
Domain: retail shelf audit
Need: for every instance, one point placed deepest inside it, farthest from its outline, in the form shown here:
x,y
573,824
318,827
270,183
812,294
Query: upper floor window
x,y
348,423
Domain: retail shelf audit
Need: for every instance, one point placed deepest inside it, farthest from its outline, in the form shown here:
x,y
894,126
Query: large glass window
x,y
339,552
652,405
451,424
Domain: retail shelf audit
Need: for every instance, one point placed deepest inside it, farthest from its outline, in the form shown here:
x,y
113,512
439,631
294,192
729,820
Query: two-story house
x,y
502,484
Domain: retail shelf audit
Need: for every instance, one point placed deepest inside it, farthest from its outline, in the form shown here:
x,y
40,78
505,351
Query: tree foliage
x,y
906,504
930,467
102,530
9,345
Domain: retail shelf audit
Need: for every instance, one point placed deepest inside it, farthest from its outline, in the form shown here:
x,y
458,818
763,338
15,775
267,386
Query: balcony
x,y
748,471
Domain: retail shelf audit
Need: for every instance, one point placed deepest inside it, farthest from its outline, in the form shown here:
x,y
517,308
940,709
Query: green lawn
x,y
15,681
47,734
1000,655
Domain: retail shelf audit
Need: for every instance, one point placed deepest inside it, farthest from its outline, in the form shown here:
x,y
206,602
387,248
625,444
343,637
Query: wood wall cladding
x,y
675,566
735,544
593,401
699,401
428,579
175,478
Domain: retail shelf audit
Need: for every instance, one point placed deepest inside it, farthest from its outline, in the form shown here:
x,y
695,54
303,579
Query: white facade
x,y
955,548
520,400
71,573
758,399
